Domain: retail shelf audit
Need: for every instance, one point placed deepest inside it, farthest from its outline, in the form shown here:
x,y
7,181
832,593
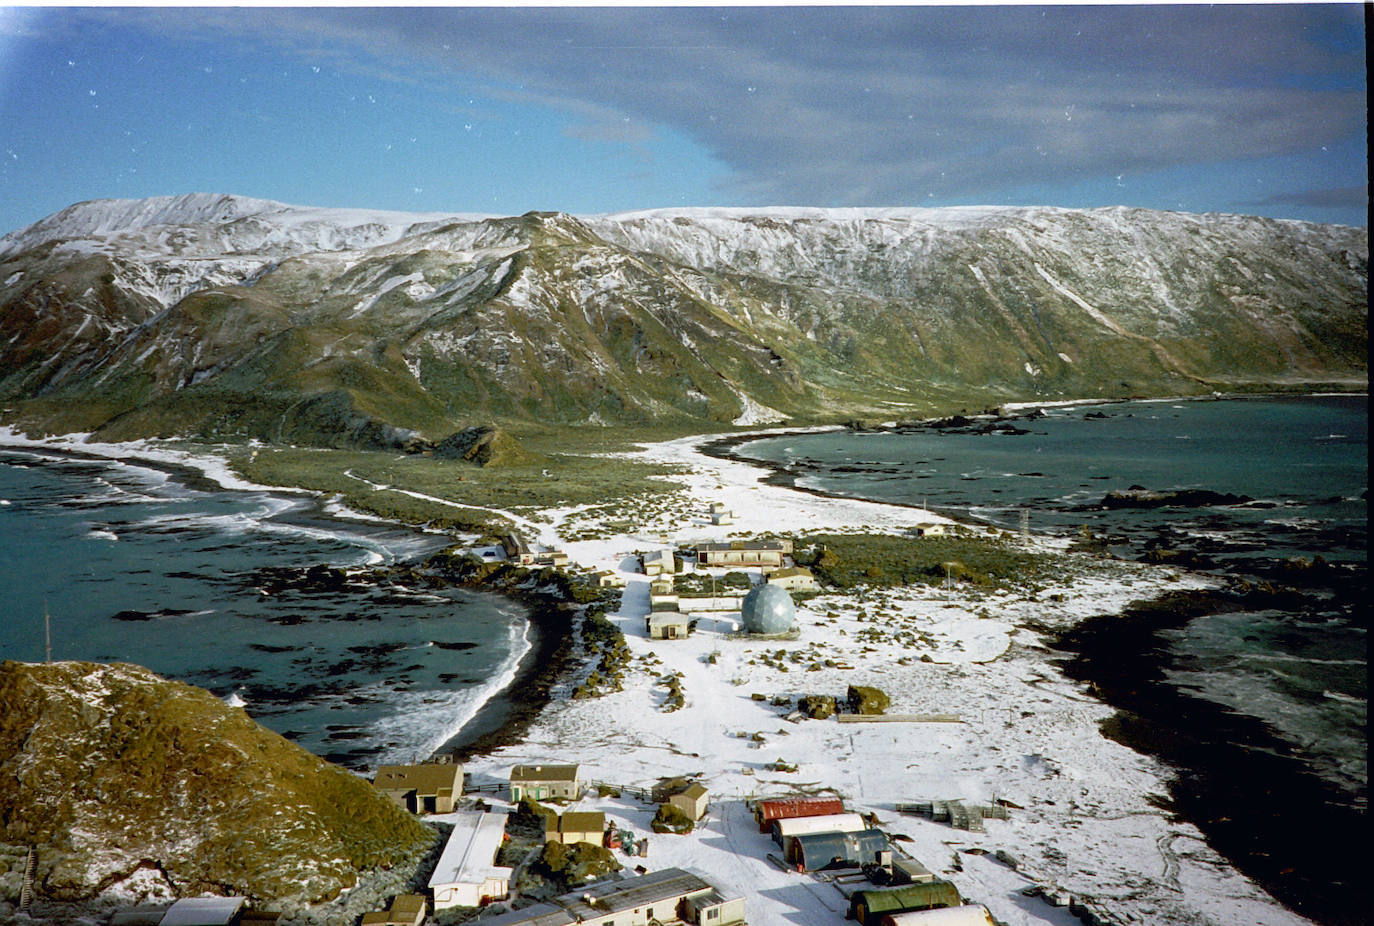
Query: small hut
x,y
692,801
815,851
667,625
575,826
868,907
783,807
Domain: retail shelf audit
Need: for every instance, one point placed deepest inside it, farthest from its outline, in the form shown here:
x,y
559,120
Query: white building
x,y
795,579
659,563
467,875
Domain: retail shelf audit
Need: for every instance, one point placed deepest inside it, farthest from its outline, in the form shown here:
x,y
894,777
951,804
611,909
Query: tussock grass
x,y
378,482
850,561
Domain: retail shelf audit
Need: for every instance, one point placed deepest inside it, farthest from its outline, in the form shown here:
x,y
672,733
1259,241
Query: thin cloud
x,y
1334,198
886,105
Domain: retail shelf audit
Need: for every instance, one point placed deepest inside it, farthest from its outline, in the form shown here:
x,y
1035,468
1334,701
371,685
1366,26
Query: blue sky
x,y
1254,109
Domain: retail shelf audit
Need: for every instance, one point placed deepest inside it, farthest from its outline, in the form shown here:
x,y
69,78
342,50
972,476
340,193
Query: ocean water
x,y
135,565
1262,709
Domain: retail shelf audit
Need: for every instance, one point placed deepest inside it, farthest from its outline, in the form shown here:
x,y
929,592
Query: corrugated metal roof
x,y
745,546
907,897
615,896
971,915
818,850
778,808
819,823
203,911
542,914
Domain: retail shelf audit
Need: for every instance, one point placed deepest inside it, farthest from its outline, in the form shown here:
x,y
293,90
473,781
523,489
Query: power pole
x,y
47,633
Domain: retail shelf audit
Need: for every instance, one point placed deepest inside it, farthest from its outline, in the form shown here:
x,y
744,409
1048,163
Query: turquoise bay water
x,y
137,566
1304,463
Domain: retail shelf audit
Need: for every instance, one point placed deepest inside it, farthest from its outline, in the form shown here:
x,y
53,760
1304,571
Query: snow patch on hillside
x,y
755,413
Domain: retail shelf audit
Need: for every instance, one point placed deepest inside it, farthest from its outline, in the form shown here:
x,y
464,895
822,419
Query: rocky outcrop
x,y
865,699
1140,497
485,445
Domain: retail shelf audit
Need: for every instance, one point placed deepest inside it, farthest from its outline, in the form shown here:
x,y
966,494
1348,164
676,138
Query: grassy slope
x,y
577,475
107,767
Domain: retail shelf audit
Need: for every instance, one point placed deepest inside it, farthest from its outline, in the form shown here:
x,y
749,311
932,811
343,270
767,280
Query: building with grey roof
x,y
667,896
204,911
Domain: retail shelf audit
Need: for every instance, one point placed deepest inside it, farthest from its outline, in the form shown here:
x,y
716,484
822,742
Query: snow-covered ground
x,y
1085,824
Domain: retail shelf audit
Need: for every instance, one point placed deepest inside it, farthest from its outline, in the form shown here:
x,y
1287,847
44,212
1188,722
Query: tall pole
x,y
47,633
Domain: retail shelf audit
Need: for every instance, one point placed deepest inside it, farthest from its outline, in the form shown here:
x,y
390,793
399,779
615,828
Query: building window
x,y
712,914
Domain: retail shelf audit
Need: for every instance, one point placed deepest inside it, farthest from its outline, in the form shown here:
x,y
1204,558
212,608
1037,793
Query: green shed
x,y
869,906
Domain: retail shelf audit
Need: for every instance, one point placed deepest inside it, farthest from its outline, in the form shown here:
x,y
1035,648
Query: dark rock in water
x,y
376,649
131,616
269,648
455,646
1140,497
150,615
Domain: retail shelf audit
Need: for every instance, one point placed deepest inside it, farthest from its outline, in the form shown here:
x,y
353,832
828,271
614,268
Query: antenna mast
x,y
47,633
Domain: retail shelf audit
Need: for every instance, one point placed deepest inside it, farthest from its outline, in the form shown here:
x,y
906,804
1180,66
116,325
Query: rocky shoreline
x,y
552,609
1239,783
504,718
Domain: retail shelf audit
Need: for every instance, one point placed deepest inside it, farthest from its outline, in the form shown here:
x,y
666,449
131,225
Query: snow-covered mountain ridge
x,y
243,225
347,326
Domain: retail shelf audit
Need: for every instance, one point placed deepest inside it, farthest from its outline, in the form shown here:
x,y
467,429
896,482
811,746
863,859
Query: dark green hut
x,y
869,906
